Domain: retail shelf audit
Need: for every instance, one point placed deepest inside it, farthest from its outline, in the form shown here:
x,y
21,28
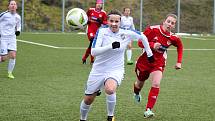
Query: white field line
x,y
34,43
198,38
82,48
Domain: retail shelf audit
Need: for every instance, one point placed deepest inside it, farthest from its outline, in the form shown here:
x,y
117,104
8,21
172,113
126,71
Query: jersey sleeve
x,y
132,23
88,13
18,23
141,37
178,43
149,34
97,48
104,19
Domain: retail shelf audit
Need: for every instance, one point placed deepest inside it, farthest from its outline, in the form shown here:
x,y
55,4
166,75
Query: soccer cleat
x,y
84,61
137,98
148,113
98,93
10,75
110,118
82,120
130,62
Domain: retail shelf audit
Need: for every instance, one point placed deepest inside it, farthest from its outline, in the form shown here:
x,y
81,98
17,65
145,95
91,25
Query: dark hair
x,y
10,1
126,8
115,12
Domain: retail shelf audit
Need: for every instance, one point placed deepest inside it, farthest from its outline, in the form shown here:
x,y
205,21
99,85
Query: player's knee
x,y
139,84
12,55
110,91
129,47
89,100
3,58
156,85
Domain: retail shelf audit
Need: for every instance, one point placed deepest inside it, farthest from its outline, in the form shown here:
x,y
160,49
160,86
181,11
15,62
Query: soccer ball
x,y
76,18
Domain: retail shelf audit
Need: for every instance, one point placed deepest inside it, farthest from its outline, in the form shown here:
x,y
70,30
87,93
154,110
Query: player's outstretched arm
x,y
146,45
100,50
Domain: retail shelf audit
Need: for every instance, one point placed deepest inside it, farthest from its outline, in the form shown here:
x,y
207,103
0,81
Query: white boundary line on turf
x,y
34,43
82,48
50,46
198,38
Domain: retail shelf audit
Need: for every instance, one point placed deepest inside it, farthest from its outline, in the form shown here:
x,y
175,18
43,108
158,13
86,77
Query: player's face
x,y
127,12
12,6
98,6
114,22
169,23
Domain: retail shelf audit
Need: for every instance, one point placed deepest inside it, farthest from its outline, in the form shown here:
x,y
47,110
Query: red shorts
x,y
143,70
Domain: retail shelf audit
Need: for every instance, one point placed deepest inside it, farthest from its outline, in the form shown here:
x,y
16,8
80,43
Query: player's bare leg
x,y
11,63
110,90
85,106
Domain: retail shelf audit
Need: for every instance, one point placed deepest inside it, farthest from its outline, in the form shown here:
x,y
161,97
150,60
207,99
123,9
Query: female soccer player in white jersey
x,y
10,27
107,71
128,23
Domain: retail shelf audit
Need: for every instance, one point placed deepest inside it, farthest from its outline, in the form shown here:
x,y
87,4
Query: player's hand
x,y
151,59
157,45
162,48
178,66
115,45
17,33
99,20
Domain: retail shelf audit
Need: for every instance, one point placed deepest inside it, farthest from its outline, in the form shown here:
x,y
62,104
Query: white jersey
x,y
9,23
127,22
108,59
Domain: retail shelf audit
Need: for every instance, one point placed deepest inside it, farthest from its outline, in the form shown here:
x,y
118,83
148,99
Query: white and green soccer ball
x,y
76,18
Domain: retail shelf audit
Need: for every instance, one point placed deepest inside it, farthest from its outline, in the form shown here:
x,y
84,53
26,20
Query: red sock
x,y
136,90
152,97
87,53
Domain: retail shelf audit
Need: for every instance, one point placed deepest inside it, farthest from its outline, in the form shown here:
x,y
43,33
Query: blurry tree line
x,y
46,15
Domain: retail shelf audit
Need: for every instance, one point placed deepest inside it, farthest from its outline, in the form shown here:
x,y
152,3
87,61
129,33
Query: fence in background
x,y
194,16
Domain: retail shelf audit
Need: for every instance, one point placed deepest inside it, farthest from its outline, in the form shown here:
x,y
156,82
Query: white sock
x,y
11,65
129,54
111,102
84,109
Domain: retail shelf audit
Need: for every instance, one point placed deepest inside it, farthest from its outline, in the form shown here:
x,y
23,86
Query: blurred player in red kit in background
x,y
160,38
96,17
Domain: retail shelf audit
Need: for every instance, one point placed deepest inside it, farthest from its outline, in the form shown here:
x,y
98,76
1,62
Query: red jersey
x,y
93,25
157,34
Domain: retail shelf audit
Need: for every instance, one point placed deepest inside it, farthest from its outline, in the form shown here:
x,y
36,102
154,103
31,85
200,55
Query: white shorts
x,y
96,81
7,43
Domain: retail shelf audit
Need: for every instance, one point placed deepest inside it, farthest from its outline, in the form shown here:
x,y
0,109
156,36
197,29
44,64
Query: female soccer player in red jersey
x,y
96,17
160,39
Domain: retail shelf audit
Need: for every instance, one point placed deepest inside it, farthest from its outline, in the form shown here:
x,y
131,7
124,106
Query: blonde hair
x,y
172,15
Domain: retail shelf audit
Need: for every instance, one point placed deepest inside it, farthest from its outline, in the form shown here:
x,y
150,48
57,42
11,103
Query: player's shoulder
x,y
130,17
175,36
123,30
103,28
103,11
91,9
3,13
18,16
123,16
154,27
